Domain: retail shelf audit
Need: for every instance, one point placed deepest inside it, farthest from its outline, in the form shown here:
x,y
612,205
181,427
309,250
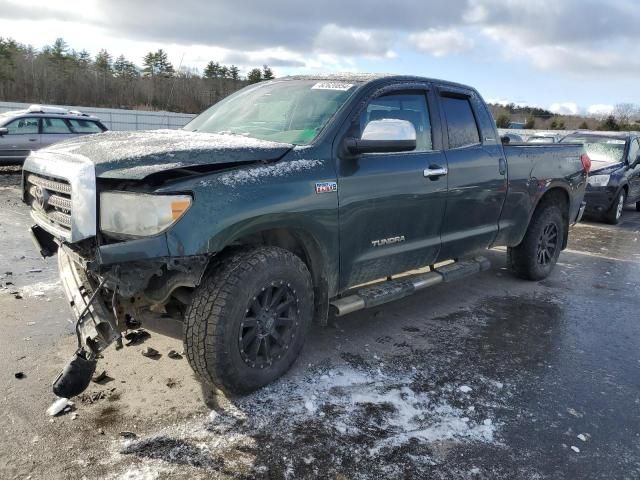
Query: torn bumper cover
x,y
95,322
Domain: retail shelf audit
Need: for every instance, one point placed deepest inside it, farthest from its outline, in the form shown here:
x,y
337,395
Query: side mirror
x,y
3,131
505,140
384,136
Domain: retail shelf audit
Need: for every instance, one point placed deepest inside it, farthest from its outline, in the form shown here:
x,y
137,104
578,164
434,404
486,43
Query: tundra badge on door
x,y
387,241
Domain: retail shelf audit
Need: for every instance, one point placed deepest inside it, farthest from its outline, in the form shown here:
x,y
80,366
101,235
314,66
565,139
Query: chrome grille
x,y
50,200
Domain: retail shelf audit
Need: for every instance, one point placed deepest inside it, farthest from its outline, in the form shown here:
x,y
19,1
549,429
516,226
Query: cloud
x,y
565,108
440,43
351,41
600,110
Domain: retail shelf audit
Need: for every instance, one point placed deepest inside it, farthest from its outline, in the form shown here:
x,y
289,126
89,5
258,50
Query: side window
x,y
634,149
461,124
23,126
54,125
84,126
411,107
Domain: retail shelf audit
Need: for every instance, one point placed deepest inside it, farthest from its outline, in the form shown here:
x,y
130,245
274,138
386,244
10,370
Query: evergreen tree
x,y
123,68
583,126
103,61
234,72
254,76
609,125
224,71
530,123
157,64
267,73
212,70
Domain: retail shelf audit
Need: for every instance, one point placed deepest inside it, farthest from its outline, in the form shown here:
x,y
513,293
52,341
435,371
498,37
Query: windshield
x,y
602,151
290,111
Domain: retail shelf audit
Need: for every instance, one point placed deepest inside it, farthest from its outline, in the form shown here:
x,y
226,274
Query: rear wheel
x,y
615,212
249,319
539,250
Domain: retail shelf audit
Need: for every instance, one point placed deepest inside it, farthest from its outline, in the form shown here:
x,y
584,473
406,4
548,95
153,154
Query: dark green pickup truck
x,y
290,201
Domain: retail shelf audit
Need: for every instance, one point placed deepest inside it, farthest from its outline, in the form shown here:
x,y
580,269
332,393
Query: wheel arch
x,y
302,244
559,196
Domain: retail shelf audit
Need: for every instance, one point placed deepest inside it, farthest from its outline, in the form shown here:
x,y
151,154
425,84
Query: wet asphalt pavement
x,y
490,378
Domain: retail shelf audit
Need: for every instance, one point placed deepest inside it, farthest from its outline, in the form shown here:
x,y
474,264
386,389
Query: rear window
x,y
84,126
461,123
602,151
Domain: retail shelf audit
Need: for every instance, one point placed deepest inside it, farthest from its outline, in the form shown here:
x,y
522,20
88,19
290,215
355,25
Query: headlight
x,y
599,180
140,214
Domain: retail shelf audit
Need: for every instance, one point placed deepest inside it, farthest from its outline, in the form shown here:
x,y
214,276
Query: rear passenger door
x,y
477,174
54,130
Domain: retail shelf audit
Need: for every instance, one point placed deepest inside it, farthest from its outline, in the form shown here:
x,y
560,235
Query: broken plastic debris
x,y
465,389
135,337
575,449
59,406
173,354
150,352
100,377
582,437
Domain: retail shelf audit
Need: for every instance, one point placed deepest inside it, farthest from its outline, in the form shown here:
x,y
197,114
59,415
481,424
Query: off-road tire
x,y
524,259
214,322
614,214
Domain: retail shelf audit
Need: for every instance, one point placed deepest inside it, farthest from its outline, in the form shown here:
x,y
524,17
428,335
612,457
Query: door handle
x,y
33,139
502,166
434,172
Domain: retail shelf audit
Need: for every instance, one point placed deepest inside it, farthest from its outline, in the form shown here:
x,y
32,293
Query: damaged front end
x,y
106,301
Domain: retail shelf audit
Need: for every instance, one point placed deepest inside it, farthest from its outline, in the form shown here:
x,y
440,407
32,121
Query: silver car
x,y
22,131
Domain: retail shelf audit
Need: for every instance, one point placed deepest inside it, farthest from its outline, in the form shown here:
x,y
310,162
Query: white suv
x,y
22,131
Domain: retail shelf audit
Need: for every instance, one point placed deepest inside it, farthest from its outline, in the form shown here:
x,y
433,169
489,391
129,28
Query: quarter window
x,y
410,107
461,123
23,126
54,125
84,126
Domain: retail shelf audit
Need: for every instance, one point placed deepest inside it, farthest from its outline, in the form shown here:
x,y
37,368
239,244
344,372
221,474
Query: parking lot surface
x,y
490,378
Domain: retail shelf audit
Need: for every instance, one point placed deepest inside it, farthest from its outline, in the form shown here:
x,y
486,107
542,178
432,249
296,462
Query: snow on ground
x,y
361,422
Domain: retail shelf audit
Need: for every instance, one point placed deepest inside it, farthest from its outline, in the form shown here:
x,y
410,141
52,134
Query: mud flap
x,y
75,377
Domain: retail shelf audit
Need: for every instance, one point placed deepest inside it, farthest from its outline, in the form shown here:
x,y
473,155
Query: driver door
x,y
390,208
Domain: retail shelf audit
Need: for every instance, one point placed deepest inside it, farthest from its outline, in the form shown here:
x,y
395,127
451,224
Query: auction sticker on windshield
x,y
343,87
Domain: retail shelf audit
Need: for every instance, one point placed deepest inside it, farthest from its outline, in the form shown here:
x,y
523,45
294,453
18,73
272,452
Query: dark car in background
x,y
23,131
614,180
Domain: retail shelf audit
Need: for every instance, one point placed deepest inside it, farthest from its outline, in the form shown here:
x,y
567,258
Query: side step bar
x,y
391,290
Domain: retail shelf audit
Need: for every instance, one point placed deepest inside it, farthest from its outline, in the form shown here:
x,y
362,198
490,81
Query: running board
x,y
391,290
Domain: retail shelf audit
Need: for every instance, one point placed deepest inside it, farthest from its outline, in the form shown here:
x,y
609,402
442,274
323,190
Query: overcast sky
x,y
567,55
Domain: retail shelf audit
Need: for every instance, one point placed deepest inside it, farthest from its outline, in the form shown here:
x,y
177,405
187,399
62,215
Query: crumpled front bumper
x,y
96,323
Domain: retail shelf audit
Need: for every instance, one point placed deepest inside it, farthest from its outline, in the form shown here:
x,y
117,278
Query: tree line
x,y
58,74
625,116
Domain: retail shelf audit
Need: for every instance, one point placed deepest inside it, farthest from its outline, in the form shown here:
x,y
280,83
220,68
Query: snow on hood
x,y
135,155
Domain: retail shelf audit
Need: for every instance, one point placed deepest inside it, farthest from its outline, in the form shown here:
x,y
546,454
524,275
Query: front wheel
x,y
539,250
615,212
249,319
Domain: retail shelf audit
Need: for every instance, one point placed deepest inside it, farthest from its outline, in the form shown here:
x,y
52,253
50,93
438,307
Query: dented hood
x,y
136,155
